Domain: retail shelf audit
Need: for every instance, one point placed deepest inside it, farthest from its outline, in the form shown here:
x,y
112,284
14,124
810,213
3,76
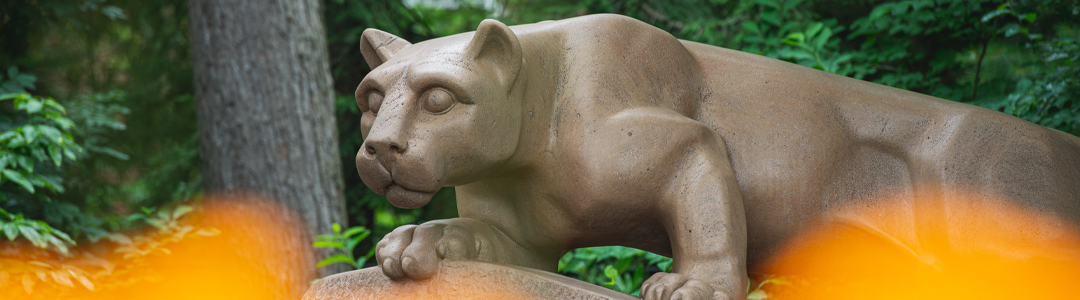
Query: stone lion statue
x,y
604,130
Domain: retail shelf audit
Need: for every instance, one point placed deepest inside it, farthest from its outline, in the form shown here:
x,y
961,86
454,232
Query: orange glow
x,y
248,249
948,245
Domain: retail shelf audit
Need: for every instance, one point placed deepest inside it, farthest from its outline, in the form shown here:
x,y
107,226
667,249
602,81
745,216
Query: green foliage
x,y
345,242
38,233
814,48
619,268
758,292
170,229
44,275
96,115
122,68
16,82
39,137
1050,98
43,135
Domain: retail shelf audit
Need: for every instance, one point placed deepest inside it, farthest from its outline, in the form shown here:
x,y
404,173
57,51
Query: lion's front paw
x,y
674,286
413,251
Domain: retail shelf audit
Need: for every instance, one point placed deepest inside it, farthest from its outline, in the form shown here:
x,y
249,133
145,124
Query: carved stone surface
x,y
460,280
603,130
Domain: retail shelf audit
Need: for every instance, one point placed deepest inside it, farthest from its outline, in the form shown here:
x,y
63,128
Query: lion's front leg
x,y
698,202
706,225
416,251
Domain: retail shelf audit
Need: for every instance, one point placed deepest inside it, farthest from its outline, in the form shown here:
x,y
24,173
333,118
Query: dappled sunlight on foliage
x,y
952,245
222,248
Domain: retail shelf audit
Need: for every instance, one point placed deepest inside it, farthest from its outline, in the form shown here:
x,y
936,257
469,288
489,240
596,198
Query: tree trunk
x,y
265,106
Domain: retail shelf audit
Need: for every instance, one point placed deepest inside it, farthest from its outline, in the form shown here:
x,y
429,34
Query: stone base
x,y
460,280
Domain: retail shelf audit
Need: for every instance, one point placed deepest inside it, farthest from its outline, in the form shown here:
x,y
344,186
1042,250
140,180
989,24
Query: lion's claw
x,y
674,286
415,252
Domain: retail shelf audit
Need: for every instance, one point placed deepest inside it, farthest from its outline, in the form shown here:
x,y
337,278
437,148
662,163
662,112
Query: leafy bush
x,y
39,233
345,242
44,135
619,268
45,275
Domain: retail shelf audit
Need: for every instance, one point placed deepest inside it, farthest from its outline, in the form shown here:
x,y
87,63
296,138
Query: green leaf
x,y
69,154
355,230
61,235
623,263
757,295
29,133
994,14
51,239
1011,29
337,258
11,231
119,238
18,179
33,106
791,4
820,40
56,154
110,152
814,29
54,105
54,135
180,211
771,17
336,227
796,37
113,12
1029,17
25,162
32,235
8,96
665,265
26,80
11,86
329,244
611,273
751,27
351,244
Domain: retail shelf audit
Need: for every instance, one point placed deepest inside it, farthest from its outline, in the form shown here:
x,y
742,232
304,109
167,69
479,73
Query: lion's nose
x,y
385,147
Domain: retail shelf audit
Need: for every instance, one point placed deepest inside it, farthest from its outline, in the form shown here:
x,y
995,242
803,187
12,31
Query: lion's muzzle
x,y
377,163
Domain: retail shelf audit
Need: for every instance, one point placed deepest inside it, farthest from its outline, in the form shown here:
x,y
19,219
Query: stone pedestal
x,y
459,280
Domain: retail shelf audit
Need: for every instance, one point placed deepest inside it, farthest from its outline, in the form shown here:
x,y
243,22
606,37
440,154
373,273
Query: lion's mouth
x,y
408,187
404,197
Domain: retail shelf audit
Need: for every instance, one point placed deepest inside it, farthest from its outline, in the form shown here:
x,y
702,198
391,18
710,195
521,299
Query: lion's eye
x,y
374,101
437,101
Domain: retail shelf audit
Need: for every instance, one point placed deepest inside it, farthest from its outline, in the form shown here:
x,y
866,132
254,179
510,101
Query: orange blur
x,y
257,250
948,245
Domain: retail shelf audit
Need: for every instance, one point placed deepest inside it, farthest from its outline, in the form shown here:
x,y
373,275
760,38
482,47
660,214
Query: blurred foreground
x,y
236,248
947,245
942,245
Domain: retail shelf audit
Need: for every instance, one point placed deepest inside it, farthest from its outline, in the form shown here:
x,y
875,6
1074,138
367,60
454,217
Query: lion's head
x,y
437,113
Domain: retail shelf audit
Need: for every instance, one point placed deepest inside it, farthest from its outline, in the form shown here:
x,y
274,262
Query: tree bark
x,y
265,106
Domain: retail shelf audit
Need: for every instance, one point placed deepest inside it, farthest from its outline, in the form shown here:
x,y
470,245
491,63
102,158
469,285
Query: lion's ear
x,y
378,46
496,44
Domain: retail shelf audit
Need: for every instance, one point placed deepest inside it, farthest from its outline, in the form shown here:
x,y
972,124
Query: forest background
x,y
126,155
